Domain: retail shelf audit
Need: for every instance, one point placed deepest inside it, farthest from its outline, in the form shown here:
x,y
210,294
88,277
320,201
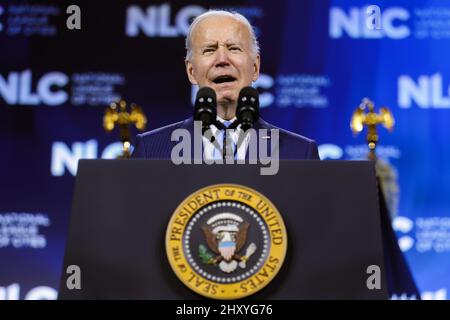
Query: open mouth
x,y
224,79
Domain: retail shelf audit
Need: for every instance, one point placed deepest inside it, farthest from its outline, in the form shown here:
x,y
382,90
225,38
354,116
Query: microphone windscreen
x,y
206,92
205,108
247,111
250,93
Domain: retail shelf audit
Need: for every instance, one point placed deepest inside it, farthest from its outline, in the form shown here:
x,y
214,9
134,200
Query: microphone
x,y
205,107
247,111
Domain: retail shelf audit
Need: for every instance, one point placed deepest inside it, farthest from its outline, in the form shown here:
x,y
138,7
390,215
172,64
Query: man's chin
x,y
226,95
226,99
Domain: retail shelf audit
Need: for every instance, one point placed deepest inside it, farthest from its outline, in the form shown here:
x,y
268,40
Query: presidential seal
x,y
226,241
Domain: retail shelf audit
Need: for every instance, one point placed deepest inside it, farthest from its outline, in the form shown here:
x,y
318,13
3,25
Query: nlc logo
x,y
16,88
330,151
12,292
426,92
155,20
404,226
64,157
354,23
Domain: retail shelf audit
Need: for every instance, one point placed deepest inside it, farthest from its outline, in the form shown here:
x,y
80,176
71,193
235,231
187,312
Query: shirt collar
x,y
223,120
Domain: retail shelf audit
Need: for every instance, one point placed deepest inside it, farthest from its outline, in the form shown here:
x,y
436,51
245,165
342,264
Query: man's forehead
x,y
220,28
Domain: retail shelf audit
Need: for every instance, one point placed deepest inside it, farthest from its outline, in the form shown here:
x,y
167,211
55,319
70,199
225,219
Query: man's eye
x,y
235,49
208,50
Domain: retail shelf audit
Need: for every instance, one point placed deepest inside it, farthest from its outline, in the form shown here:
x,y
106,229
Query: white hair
x,y
221,13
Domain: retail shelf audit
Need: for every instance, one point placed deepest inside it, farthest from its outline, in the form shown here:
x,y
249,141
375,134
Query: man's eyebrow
x,y
210,44
233,43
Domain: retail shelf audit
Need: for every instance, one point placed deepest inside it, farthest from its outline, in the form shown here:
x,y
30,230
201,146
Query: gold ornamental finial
x,y
117,115
365,115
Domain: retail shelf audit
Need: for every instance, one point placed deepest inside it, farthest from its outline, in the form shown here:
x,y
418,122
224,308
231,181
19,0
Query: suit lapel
x,y
188,124
263,137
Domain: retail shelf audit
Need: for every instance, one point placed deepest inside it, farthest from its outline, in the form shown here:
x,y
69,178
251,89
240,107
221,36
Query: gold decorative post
x,y
365,115
117,115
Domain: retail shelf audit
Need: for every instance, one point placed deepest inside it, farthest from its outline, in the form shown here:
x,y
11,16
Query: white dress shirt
x,y
213,150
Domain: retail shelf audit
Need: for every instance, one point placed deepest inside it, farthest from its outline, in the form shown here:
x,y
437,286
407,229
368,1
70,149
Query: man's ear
x,y
256,66
190,72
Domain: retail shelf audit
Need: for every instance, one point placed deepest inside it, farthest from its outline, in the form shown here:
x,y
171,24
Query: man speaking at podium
x,y
223,54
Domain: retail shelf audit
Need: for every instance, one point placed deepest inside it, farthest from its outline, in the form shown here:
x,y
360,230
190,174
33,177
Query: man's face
x,y
222,58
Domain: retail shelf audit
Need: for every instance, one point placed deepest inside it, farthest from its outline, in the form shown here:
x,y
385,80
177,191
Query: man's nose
x,y
222,57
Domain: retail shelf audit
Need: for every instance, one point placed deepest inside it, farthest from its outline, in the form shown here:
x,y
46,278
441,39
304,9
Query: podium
x,y
121,210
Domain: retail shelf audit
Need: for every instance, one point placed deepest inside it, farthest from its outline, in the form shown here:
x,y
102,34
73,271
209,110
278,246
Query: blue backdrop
x,y
319,60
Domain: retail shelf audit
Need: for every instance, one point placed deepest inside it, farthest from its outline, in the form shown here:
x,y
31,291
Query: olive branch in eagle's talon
x,y
205,255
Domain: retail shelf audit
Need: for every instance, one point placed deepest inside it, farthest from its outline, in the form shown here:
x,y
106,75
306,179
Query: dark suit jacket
x,y
157,144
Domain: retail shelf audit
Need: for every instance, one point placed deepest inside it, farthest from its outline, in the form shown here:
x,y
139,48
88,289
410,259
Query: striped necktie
x,y
227,143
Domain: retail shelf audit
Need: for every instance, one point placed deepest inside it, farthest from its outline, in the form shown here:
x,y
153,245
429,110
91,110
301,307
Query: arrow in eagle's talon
x,y
248,253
